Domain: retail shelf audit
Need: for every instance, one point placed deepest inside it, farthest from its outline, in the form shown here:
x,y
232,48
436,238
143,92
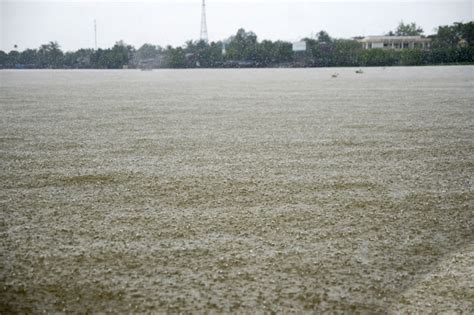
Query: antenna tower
x,y
204,36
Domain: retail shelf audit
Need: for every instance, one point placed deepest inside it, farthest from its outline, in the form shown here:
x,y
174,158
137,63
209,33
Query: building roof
x,y
395,38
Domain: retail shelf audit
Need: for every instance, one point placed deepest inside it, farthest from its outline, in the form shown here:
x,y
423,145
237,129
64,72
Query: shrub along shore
x,y
452,44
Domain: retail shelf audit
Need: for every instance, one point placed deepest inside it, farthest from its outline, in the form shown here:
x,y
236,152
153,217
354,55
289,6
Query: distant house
x,y
395,42
151,63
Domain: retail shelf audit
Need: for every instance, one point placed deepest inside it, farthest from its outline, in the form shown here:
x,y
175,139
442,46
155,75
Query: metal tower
x,y
204,36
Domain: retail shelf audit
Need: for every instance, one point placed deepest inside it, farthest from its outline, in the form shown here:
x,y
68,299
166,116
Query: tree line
x,y
451,44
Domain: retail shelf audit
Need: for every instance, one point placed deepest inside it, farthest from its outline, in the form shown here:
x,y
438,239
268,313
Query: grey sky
x,y
32,23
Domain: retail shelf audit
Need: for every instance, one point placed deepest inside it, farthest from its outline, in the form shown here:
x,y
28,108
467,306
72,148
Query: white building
x,y
396,42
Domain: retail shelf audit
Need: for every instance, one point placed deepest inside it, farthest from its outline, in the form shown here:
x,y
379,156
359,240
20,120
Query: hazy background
x,y
29,24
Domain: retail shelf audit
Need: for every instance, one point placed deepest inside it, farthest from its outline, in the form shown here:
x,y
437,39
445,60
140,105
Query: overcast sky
x,y
29,24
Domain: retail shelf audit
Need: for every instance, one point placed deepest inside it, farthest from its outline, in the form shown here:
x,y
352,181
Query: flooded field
x,y
237,191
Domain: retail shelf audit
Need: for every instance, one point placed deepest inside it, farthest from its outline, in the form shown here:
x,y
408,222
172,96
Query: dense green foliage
x,y
406,30
453,35
452,44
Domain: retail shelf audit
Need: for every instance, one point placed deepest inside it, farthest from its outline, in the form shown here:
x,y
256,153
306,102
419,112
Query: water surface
x,y
237,190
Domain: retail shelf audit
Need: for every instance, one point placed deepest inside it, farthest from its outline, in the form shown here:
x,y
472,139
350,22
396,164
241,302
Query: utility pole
x,y
204,36
95,34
